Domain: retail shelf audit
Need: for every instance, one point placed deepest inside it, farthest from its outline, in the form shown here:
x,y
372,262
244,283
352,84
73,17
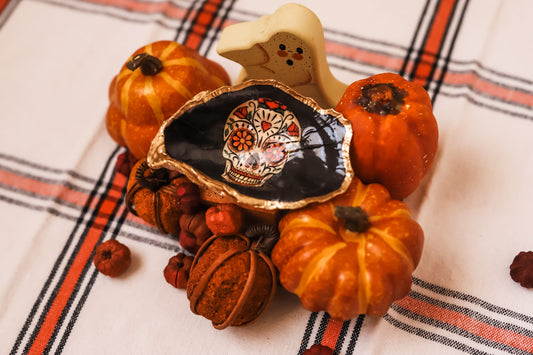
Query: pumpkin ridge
x,y
363,289
396,245
397,213
153,100
316,265
176,85
170,47
308,223
186,61
219,81
125,92
360,194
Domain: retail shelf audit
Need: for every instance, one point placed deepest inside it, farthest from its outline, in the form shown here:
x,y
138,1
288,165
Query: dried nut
x,y
112,258
521,269
188,197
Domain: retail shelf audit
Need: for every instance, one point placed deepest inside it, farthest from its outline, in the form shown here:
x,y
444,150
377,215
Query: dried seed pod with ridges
x,y
177,270
521,269
112,258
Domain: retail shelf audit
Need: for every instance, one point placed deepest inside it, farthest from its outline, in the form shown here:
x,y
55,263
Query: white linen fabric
x,y
60,194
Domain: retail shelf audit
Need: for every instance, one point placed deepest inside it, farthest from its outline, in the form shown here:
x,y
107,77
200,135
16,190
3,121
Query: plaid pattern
x,y
60,194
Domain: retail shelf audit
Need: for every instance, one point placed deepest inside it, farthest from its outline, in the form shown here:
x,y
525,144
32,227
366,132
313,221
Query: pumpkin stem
x,y
149,64
355,218
266,237
383,99
150,178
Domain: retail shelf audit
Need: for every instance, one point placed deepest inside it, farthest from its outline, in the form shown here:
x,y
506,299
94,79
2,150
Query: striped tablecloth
x,y
60,194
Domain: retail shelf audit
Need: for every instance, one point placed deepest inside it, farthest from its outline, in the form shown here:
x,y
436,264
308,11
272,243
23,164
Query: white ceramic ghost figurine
x,y
288,46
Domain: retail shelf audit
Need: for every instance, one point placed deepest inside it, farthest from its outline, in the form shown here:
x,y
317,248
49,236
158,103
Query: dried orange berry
x,y
112,258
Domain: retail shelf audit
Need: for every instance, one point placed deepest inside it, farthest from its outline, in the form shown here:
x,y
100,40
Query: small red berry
x,y
177,270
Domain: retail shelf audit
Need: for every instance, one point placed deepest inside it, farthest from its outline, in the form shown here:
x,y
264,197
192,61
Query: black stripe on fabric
x,y
185,19
472,299
457,330
193,21
61,256
472,314
413,41
494,108
342,337
219,27
355,334
50,210
88,287
41,167
79,281
307,334
435,64
36,196
175,247
432,336
322,327
440,80
420,50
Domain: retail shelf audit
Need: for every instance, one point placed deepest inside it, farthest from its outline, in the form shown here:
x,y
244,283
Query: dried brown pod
x,y
177,270
231,281
194,231
521,269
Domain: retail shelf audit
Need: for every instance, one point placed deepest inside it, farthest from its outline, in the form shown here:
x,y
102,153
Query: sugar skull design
x,y
259,138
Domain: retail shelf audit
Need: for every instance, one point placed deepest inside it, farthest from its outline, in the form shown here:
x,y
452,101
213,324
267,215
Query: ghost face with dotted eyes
x,y
259,137
289,59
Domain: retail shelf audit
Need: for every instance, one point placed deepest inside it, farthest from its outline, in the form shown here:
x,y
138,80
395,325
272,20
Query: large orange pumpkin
x,y
351,255
153,84
395,134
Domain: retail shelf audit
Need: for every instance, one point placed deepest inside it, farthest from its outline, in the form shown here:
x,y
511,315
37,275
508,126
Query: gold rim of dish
x,y
158,157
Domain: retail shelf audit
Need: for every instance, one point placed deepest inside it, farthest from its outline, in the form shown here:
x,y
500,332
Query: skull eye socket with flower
x,y
259,137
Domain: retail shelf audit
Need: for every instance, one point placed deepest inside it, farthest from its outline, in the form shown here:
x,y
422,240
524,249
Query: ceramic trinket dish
x,y
259,142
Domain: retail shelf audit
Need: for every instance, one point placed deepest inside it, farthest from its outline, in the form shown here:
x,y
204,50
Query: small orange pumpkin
x,y
153,84
224,219
395,134
351,255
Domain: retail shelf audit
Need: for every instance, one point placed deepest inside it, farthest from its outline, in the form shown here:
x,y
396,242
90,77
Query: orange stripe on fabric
x,y
467,323
43,189
75,270
475,82
434,40
3,4
145,7
364,56
200,27
332,332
